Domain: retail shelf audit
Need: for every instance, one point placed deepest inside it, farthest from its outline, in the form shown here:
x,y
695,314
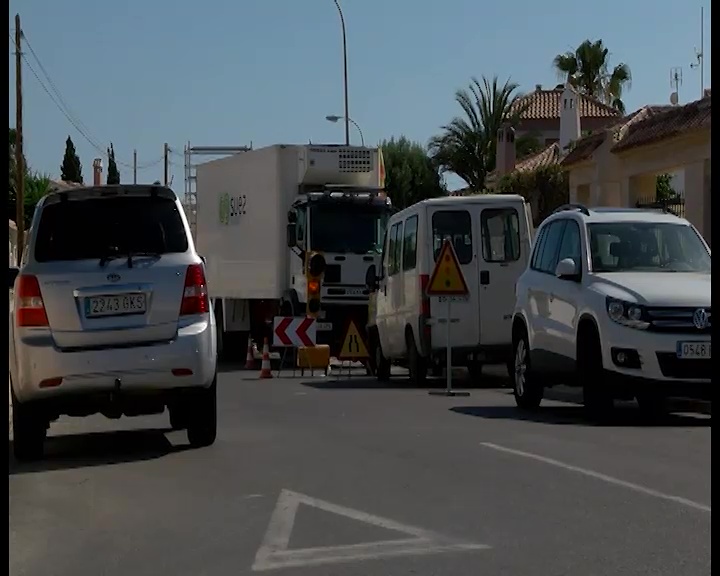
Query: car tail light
x,y
29,306
195,296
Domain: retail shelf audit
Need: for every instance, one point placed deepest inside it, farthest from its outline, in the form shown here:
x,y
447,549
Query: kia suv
x,y
111,315
616,301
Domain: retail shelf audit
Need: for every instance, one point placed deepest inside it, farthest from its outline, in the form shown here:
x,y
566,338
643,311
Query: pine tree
x,y
71,168
113,175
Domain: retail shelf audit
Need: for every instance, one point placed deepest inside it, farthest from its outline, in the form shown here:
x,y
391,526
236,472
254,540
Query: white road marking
x,y
600,476
273,552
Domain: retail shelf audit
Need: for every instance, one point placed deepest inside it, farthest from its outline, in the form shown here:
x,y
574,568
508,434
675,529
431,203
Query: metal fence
x,y
674,205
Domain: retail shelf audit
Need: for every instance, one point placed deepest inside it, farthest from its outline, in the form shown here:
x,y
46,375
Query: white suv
x,y
111,315
616,301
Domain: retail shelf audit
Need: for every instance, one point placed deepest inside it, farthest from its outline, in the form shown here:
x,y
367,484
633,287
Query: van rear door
x,y
501,261
455,224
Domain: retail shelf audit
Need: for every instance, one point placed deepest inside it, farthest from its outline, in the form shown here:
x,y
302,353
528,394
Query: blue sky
x,y
230,72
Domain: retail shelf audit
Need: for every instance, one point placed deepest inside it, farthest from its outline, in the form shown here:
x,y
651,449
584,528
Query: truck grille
x,y
676,320
673,367
332,274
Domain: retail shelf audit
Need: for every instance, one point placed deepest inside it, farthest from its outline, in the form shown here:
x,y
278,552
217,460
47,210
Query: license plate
x,y
692,350
120,305
323,326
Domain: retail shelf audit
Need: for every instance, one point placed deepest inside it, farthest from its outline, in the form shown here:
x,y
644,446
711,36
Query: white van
x,y
491,234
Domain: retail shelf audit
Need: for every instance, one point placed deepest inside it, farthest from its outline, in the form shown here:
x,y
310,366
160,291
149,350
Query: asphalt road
x,y
343,477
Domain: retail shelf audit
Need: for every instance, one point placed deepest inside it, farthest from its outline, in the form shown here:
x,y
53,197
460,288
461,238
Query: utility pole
x,y
19,164
166,155
135,166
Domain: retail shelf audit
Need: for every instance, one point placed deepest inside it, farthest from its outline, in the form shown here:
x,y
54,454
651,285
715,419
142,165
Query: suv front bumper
x,y
657,354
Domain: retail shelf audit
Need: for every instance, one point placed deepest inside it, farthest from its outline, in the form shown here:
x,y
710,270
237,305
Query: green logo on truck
x,y
224,209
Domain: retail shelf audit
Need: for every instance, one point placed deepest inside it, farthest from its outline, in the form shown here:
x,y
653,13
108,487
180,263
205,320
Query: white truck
x,y
263,214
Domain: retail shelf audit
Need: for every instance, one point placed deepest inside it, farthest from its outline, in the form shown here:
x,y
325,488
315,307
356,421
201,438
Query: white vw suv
x,y
111,315
616,301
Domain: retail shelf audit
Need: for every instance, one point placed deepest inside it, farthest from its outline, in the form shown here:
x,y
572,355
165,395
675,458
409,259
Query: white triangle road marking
x,y
273,552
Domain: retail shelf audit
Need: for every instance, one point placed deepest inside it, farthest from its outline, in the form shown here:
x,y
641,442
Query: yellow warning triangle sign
x,y
353,345
447,278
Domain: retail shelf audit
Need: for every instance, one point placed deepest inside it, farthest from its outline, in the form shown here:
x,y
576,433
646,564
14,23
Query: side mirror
x,y
567,269
292,235
13,275
371,279
204,260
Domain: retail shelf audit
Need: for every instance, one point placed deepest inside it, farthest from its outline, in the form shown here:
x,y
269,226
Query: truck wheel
x,y
29,431
416,363
202,417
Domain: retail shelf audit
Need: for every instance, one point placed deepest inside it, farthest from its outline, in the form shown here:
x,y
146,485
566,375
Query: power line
x,y
57,99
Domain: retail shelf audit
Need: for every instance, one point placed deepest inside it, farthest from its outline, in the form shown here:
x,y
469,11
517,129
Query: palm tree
x,y
467,145
588,70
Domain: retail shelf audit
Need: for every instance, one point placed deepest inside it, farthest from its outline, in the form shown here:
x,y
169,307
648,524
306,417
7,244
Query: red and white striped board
x,y
294,332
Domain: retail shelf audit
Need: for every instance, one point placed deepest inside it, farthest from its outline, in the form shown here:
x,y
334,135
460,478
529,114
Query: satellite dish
x,y
674,98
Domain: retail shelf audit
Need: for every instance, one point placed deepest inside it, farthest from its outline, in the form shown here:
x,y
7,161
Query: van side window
x,y
456,226
500,234
397,248
389,250
410,243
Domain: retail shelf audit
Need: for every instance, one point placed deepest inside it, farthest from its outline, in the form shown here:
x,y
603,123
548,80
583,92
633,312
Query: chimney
x,y
538,87
505,154
569,117
97,172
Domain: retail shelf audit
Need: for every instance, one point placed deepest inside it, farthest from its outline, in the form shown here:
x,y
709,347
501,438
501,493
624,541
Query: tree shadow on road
x,y
622,416
68,451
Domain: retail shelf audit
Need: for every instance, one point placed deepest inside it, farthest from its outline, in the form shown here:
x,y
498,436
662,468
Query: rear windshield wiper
x,y
114,254
130,255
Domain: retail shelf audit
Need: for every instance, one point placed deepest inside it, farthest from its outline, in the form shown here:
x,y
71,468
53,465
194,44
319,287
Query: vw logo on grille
x,y
700,319
116,277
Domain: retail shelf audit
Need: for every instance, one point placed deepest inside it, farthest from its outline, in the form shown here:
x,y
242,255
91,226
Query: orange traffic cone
x,y
249,359
265,369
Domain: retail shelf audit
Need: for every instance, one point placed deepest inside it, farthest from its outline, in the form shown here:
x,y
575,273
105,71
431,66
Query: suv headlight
x,y
627,313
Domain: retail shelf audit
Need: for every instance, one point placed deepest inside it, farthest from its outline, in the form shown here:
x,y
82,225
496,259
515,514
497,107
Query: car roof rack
x,y
580,207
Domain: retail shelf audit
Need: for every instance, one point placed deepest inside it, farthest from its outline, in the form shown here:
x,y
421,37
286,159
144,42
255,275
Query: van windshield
x,y
92,228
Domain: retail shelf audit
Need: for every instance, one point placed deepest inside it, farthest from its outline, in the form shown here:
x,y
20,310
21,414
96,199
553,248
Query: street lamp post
x,y
345,74
334,118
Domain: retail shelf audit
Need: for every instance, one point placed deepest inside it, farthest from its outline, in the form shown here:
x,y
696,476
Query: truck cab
x,y
346,225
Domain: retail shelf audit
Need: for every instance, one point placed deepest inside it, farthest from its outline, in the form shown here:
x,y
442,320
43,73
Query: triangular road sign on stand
x,y
353,347
274,553
447,278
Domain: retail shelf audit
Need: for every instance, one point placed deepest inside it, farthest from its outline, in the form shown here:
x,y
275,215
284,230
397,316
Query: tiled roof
x,y
670,122
545,104
546,157
63,184
584,148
